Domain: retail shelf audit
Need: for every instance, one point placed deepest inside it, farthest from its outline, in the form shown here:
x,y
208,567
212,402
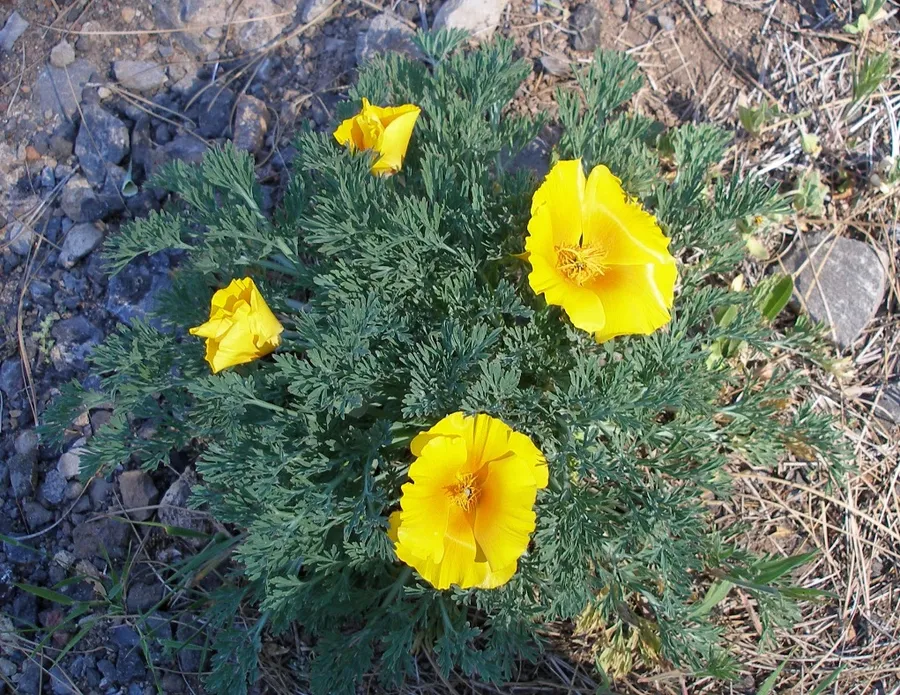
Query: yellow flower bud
x,y
385,130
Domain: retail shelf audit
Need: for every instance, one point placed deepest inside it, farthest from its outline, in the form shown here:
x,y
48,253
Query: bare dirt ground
x,y
703,60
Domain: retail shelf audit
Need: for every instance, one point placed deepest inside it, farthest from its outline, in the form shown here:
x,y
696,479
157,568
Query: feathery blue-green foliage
x,y
403,301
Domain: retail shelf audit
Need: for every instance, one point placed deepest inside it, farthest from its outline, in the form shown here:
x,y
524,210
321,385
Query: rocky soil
x,y
95,98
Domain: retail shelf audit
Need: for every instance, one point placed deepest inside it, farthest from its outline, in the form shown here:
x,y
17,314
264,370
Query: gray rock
x,y
172,683
251,123
19,554
98,492
535,157
133,292
48,178
36,516
78,243
215,111
53,490
59,89
143,597
8,668
554,64
20,237
666,22
15,26
11,381
184,148
887,407
69,464
75,331
129,666
26,443
139,75
99,538
312,9
62,54
60,683
22,475
124,636
478,17
173,508
79,201
138,491
110,192
839,281
189,633
30,679
102,139
586,21
386,32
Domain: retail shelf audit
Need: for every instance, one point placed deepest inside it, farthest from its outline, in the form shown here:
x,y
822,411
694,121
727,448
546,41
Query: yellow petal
x,y
637,299
563,194
458,563
539,241
504,519
532,458
399,123
488,439
584,308
628,233
493,578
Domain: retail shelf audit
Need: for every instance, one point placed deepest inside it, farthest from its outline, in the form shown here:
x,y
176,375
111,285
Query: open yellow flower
x,y
598,254
467,515
385,130
241,327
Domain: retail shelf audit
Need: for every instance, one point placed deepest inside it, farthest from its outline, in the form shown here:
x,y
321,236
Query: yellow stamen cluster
x,y
581,264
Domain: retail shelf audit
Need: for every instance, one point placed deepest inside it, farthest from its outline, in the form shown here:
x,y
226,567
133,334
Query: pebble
x,y
69,464
79,202
129,666
26,443
62,55
215,112
312,9
587,21
173,508
386,33
20,237
251,123
11,381
139,75
102,139
78,243
15,26
142,597
59,90
22,474
53,489
478,17
138,491
36,516
666,22
839,281
128,14
103,537
75,331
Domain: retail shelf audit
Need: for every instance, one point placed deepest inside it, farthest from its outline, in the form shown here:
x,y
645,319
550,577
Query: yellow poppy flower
x,y
386,130
598,254
467,515
241,327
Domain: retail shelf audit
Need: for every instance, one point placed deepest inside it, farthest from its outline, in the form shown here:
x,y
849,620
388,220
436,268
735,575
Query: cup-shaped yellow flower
x,y
467,515
385,130
598,254
241,327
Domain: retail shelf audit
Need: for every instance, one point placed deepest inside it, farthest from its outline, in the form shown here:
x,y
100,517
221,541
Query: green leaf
x,y
715,595
769,683
777,297
48,594
768,571
832,677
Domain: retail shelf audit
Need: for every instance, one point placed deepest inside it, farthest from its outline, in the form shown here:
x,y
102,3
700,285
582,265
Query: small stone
x,y
183,148
139,75
189,632
11,381
73,492
587,23
76,331
104,93
143,597
15,26
62,54
138,491
129,666
98,492
386,33
31,154
87,39
103,537
53,489
102,139
714,7
60,683
251,123
62,140
312,9
838,281
173,508
666,22
69,464
133,293
172,683
215,112
887,407
36,515
124,636
128,14
26,443
48,178
20,237
556,65
79,201
59,90
478,17
22,475
30,679
78,243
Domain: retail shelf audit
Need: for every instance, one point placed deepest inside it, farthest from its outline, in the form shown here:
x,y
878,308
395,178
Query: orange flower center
x,y
465,491
581,264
